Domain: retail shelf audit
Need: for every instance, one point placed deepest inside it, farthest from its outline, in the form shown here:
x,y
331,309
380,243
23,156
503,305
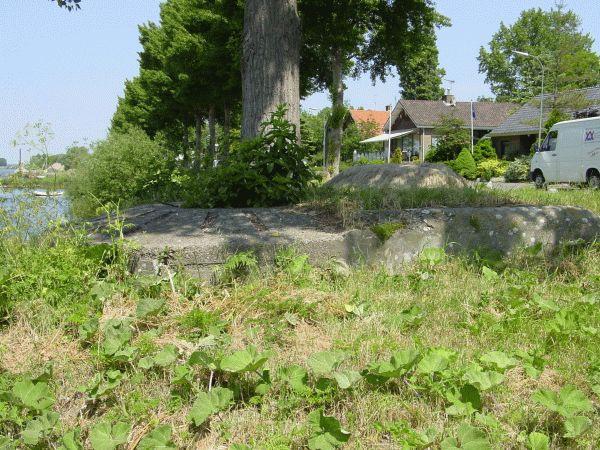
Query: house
x,y
56,167
414,122
517,134
378,119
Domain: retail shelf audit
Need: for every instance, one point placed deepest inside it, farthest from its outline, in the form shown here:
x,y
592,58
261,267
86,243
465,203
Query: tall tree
x,y
421,75
353,36
189,71
270,63
555,36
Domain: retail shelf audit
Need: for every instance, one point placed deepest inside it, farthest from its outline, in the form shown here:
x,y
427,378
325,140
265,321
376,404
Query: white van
x,y
569,154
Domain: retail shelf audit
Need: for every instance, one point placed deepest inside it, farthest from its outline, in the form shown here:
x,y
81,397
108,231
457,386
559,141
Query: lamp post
x,y
389,147
538,59
324,138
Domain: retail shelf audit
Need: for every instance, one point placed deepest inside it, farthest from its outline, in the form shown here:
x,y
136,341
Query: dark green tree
x,y
420,74
555,36
189,72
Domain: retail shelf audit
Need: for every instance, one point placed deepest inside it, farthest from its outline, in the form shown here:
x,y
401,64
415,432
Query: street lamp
x,y
324,138
388,155
538,59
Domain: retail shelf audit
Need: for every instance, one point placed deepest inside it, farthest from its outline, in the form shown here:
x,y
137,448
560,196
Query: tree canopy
x,y
554,36
189,70
350,37
68,4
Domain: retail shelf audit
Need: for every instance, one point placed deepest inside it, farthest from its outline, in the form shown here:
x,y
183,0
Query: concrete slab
x,y
198,240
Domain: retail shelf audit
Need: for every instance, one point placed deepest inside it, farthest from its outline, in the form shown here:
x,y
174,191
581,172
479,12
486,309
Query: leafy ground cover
x,y
452,353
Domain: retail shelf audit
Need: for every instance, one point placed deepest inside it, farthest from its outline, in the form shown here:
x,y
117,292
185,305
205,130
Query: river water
x,y
28,211
4,172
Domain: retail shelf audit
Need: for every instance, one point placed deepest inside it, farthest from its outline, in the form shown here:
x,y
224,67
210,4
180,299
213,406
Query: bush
x,y
365,161
452,137
127,168
518,170
484,150
267,171
465,165
491,168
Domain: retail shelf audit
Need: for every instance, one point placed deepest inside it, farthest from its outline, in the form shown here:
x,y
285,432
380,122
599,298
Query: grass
x,y
347,204
73,307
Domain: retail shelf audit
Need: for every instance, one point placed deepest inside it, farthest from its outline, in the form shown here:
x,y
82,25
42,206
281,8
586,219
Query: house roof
x,y
369,115
526,119
426,113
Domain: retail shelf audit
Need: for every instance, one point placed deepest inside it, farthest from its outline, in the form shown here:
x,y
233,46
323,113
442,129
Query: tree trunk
x,y
186,145
226,131
270,63
212,132
337,111
198,143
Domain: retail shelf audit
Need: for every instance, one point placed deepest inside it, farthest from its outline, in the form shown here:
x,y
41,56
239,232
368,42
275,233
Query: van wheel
x,y
594,180
538,179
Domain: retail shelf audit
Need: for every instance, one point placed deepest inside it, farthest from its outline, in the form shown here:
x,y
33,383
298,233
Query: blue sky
x,y
68,68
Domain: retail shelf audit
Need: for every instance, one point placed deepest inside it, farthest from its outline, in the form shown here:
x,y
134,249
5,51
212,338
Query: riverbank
x,y
50,182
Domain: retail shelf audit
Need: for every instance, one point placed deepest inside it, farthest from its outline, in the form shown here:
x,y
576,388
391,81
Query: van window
x,y
550,143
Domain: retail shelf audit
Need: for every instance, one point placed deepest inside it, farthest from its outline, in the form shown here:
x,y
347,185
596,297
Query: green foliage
x,y
149,307
32,395
267,171
386,230
209,403
326,432
452,138
105,436
293,263
556,37
468,437
518,170
484,150
538,441
402,433
248,360
556,115
465,165
125,168
104,384
354,134
117,333
238,267
491,168
568,402
158,439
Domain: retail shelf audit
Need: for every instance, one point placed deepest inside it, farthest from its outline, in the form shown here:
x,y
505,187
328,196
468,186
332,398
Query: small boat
x,y
47,193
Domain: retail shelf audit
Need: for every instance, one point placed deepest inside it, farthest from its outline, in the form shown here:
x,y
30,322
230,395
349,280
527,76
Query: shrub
x,y
490,168
518,170
465,165
128,167
365,161
484,150
452,138
269,170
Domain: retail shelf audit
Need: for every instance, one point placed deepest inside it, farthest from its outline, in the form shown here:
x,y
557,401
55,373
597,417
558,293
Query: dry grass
x,y
450,295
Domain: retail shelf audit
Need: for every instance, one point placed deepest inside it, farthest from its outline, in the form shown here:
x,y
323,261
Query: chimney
x,y
449,99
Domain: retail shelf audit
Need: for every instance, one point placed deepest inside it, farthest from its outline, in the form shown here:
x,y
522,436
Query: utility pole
x,y
539,60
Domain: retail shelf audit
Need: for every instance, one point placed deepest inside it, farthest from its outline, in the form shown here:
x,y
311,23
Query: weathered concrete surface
x,y
424,175
198,240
